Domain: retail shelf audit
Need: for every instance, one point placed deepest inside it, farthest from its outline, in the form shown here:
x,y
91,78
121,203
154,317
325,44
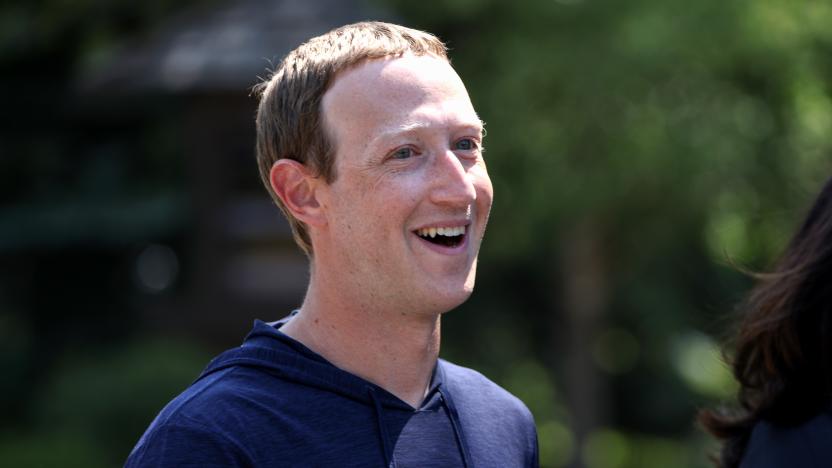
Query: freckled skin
x,y
401,129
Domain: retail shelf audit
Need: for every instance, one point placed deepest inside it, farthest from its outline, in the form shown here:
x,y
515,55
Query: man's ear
x,y
296,187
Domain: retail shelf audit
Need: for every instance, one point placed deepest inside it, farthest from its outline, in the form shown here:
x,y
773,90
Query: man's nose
x,y
452,180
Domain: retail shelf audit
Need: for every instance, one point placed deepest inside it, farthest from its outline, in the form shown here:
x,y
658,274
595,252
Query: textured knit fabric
x,y
272,402
807,445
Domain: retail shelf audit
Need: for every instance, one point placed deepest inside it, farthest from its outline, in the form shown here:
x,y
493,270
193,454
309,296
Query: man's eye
x,y
402,153
466,144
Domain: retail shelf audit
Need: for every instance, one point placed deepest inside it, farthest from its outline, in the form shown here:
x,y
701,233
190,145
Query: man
x,y
368,142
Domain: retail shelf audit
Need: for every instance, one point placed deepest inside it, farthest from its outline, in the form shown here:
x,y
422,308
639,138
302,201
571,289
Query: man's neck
x,y
394,350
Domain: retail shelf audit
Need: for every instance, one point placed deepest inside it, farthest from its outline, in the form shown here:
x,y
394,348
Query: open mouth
x,y
444,236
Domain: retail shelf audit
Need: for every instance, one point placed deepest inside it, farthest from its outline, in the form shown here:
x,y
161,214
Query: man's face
x,y
408,209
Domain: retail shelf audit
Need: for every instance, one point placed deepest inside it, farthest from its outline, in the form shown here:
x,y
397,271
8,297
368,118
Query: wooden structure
x,y
238,261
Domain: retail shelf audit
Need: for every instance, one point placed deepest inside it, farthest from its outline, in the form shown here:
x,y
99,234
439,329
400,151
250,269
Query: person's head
x,y
380,166
290,123
783,348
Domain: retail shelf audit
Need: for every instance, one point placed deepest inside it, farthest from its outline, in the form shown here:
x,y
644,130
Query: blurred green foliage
x,y
685,136
109,397
93,406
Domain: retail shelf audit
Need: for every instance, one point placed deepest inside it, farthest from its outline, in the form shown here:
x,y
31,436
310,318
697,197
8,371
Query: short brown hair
x,y
289,120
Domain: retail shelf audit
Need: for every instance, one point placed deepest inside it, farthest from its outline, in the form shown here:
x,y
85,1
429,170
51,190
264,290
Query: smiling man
x,y
369,143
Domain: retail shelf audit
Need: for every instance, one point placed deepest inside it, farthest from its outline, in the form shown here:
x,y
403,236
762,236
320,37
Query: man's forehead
x,y
398,95
408,77
383,122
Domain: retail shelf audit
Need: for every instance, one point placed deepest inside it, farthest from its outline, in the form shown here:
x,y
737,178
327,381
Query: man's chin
x,y
452,301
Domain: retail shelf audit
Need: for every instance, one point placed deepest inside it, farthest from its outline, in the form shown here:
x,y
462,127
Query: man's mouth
x,y
445,236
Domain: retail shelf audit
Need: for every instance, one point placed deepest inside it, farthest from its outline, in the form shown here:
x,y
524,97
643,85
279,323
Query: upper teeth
x,y
442,231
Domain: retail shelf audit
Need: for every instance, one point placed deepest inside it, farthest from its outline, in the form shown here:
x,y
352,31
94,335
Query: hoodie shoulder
x,y
192,430
499,428
473,387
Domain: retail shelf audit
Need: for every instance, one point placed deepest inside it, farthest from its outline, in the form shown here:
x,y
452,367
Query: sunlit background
x,y
642,152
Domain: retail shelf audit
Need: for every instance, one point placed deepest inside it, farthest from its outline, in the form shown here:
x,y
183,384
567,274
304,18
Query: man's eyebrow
x,y
479,126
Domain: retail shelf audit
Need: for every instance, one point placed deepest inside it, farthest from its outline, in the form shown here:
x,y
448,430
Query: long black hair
x,y
783,347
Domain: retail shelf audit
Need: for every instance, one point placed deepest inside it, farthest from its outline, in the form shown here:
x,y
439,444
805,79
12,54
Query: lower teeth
x,y
448,241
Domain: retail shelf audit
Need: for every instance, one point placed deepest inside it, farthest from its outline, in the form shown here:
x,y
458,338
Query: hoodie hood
x,y
268,349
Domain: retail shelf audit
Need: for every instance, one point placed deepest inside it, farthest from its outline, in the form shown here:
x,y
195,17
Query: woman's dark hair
x,y
783,348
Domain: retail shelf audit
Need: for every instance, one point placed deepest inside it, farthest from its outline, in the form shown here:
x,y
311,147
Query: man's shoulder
x,y
212,397
227,413
498,427
192,424
473,389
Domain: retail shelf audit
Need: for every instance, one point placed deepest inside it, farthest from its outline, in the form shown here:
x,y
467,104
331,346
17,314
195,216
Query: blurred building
x,y
234,259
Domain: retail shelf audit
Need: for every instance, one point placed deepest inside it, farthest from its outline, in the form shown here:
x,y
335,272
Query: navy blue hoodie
x,y
273,402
